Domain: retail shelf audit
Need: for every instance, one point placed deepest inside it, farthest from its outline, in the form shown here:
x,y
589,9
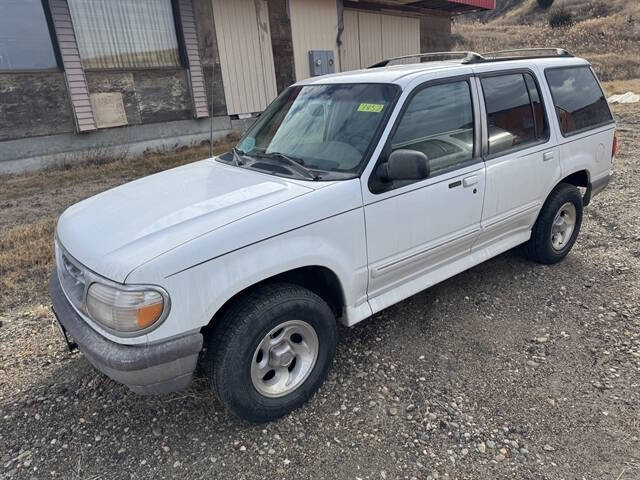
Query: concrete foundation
x,y
29,154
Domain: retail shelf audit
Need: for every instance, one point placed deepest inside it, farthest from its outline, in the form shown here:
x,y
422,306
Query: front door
x,y
417,230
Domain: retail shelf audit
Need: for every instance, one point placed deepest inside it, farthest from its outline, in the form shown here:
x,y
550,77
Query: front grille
x,y
71,278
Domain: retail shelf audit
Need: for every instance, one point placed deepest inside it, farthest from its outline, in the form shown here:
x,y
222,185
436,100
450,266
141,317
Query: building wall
x,y
314,26
282,43
35,109
246,56
33,104
209,56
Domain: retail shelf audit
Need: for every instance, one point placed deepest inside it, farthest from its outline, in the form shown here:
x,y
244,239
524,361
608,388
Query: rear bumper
x,y
595,188
600,184
149,369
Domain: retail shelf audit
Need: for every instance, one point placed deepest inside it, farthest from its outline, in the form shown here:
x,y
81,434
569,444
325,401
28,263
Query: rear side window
x,y
579,100
515,114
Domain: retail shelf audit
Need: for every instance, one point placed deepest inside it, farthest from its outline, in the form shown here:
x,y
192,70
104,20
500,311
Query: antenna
x,y
213,75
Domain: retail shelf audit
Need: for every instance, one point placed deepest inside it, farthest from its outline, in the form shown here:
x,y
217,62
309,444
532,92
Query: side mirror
x,y
404,165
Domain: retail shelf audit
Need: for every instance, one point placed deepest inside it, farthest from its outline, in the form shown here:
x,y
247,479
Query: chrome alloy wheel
x,y
284,358
563,226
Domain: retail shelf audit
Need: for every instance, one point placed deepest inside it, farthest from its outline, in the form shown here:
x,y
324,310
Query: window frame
x,y
555,109
373,182
48,16
183,60
539,141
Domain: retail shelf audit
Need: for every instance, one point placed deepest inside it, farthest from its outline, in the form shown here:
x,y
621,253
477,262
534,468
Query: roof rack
x,y
468,57
473,57
521,53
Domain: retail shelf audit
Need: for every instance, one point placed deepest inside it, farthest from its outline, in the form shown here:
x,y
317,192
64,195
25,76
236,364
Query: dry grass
x,y
26,253
607,34
31,203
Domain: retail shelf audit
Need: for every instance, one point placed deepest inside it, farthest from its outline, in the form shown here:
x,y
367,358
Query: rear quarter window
x,y
579,101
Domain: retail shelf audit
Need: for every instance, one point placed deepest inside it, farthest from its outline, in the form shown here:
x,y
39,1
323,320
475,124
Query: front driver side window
x,y
439,123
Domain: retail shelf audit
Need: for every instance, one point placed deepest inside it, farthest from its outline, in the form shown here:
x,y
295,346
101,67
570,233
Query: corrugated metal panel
x,y
350,48
314,26
74,73
196,79
370,38
246,57
400,36
375,36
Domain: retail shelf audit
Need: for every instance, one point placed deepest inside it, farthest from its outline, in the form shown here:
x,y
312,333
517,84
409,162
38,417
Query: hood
x,y
114,232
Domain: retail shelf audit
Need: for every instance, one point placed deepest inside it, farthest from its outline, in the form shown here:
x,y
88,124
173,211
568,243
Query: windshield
x,y
327,128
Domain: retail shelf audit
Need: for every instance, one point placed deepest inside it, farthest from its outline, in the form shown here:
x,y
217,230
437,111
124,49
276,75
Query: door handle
x,y
470,181
547,156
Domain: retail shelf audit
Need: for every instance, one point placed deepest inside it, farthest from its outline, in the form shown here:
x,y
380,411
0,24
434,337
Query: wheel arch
x,y
579,178
319,279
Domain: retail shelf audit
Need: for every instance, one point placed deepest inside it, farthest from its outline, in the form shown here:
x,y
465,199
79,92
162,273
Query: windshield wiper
x,y
237,161
297,164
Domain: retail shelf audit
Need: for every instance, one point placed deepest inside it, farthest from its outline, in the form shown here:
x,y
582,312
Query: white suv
x,y
350,193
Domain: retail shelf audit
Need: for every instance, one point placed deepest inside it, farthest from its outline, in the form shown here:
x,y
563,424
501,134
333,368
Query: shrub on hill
x,y
561,17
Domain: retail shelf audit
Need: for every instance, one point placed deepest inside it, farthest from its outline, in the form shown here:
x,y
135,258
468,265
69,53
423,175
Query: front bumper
x,y
149,369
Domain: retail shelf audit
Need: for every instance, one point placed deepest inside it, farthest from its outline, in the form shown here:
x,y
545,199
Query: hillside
x,y
607,33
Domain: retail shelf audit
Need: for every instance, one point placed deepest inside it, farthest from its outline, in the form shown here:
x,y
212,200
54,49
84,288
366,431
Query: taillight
x,y
614,148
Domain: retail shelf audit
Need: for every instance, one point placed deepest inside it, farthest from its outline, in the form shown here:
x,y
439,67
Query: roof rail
x,y
521,53
469,57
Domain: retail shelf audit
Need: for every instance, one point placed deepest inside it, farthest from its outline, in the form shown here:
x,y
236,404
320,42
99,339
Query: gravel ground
x,y
509,370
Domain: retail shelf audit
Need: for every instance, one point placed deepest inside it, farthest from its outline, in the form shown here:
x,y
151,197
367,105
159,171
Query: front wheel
x,y
557,227
271,350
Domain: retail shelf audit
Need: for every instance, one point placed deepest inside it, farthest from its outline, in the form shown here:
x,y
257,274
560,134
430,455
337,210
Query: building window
x,y
25,41
125,34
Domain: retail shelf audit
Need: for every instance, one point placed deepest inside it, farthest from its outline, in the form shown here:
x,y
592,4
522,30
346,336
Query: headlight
x,y
125,310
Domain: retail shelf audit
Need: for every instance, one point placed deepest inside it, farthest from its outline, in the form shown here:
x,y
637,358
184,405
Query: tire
x,y
234,362
547,244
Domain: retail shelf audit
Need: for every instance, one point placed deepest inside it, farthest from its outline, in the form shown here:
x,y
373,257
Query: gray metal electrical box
x,y
321,62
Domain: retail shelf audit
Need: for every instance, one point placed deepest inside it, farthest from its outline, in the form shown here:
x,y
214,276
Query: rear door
x,y
417,229
520,153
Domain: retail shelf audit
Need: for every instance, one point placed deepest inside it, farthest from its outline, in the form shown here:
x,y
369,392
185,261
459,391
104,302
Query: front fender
x,y
336,243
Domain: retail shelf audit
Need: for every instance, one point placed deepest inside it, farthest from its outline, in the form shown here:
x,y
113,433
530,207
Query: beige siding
x,y
314,26
370,38
246,57
400,36
350,48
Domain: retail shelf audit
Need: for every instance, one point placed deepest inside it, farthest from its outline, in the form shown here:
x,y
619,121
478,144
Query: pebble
x,y
482,447
393,411
533,364
548,448
176,464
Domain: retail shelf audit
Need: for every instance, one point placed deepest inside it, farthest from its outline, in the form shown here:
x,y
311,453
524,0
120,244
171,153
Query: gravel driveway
x,y
509,370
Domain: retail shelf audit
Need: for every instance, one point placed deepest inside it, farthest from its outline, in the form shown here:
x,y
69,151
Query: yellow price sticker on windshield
x,y
370,107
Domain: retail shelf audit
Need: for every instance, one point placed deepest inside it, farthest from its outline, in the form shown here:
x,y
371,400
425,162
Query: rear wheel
x,y
557,227
271,350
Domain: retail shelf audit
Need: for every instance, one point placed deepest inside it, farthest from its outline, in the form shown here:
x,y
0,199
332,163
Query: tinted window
x,y
579,101
25,42
125,33
539,114
509,112
438,122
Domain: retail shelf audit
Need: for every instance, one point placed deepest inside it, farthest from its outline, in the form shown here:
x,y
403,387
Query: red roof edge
x,y
484,4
